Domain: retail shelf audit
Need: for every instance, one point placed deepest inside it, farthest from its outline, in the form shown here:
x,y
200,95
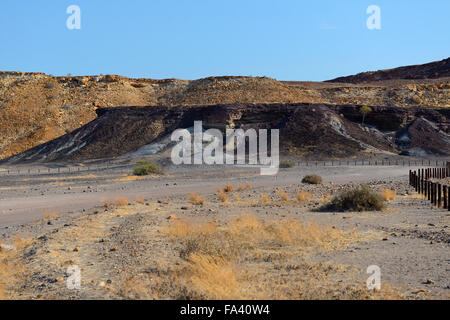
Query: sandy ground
x,y
65,216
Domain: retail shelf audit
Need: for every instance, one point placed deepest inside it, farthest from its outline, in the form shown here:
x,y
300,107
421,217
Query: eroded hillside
x,y
36,108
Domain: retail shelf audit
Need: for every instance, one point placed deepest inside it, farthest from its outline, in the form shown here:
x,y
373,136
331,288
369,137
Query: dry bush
x,y
197,199
248,186
283,195
106,203
146,168
121,201
312,179
241,187
361,198
237,197
265,199
223,197
303,196
140,200
388,194
287,164
228,188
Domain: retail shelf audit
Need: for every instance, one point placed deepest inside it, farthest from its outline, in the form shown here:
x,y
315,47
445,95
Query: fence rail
x,y
436,192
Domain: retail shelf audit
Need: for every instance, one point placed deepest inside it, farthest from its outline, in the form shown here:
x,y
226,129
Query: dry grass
x,y
11,270
228,188
106,203
265,199
121,201
237,197
388,194
215,277
303,196
283,195
248,258
140,200
414,196
242,187
197,199
129,178
223,197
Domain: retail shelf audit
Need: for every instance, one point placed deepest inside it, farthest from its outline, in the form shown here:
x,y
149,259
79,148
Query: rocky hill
x,y
432,70
313,131
36,108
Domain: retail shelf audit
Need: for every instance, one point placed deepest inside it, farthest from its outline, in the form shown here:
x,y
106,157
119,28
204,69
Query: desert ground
x,y
215,232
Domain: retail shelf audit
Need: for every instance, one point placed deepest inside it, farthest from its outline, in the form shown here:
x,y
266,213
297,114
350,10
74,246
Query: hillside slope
x,y
313,131
432,70
36,108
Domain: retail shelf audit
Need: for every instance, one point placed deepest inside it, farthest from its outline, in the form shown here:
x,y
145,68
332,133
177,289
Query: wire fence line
x,y
127,167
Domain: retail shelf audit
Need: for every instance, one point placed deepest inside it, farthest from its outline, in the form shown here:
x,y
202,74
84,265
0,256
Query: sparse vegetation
x,y
228,188
223,197
364,110
283,195
146,168
140,200
312,179
197,199
361,198
287,164
303,196
233,261
265,199
10,268
388,194
121,201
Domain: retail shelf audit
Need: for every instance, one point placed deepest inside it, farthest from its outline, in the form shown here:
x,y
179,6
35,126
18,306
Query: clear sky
x,y
189,39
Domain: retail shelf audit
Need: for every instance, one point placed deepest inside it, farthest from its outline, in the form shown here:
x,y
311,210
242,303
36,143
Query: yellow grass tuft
x,y
196,199
388,195
228,188
140,200
303,196
182,228
283,195
213,276
265,199
121,201
223,197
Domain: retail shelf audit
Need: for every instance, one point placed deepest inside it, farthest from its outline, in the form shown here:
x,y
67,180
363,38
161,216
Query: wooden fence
x,y
436,192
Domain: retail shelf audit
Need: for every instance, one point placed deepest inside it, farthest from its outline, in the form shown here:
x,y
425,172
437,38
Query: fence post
x,y
439,187
429,190
445,196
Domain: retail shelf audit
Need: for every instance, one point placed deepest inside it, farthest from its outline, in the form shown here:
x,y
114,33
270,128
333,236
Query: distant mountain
x,y
432,70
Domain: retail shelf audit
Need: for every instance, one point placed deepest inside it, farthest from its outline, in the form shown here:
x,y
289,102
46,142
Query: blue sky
x,y
190,39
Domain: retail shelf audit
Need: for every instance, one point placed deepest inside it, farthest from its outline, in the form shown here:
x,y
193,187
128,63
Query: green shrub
x,y
361,198
286,164
145,168
312,179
